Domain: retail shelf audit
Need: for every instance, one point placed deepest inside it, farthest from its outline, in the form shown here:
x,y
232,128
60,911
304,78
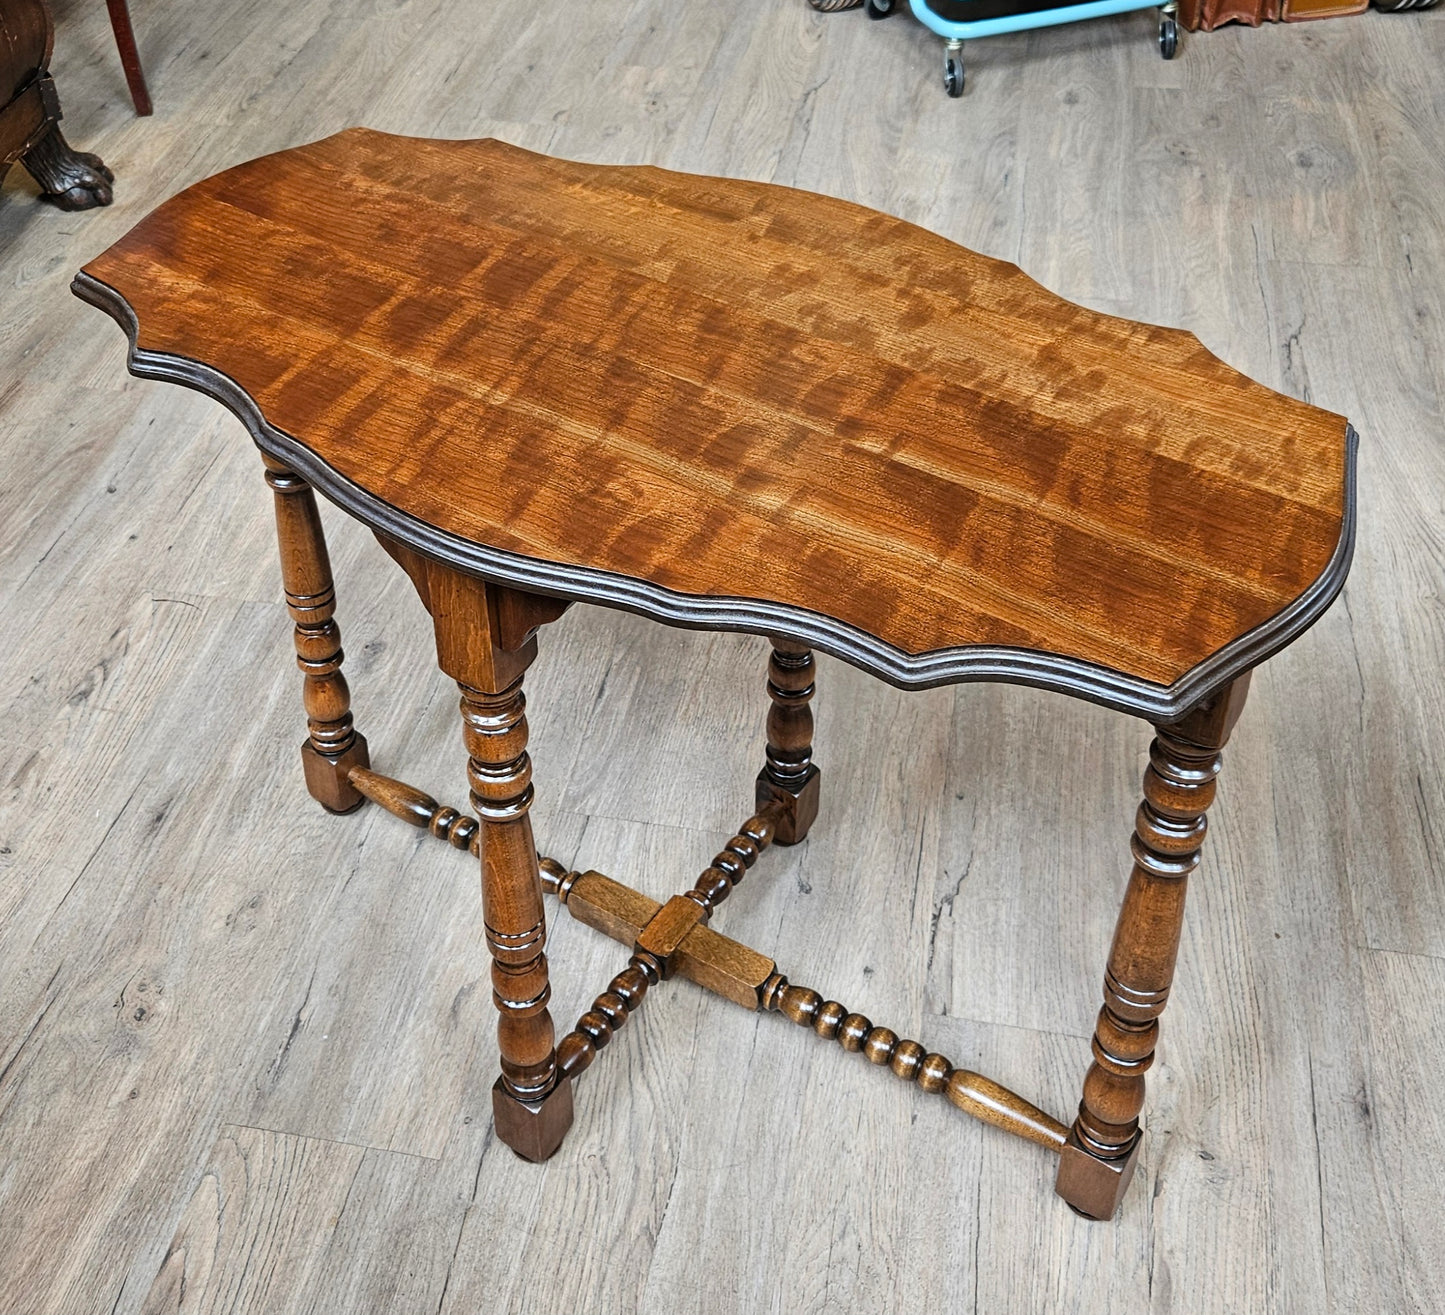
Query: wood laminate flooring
x,y
246,1048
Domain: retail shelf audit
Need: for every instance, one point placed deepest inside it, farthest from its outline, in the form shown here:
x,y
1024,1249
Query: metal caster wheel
x,y
1168,36
880,8
953,69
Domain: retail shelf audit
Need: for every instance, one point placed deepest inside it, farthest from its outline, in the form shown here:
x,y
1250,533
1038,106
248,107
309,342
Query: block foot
x,y
327,778
533,1129
1093,1187
799,807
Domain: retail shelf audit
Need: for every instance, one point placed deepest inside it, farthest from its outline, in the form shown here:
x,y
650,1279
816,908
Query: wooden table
x,y
735,406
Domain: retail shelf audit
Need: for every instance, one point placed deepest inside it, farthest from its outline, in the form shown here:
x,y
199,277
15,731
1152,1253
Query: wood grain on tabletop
x,y
731,389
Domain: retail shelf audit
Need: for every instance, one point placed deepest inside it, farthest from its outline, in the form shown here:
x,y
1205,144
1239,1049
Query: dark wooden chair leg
x,y
1098,1159
135,77
333,746
789,776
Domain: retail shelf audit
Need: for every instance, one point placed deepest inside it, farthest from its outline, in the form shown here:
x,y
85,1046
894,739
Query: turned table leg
x,y
1098,1160
789,777
333,746
486,639
531,1107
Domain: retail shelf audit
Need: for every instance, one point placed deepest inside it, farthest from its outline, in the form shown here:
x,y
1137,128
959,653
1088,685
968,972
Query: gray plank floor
x,y
245,1048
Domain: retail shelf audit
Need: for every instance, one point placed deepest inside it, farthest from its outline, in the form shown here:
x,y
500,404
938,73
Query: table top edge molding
x,y
1040,669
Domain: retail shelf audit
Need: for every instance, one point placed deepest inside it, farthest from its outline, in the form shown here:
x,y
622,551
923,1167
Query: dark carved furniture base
x,y
70,179
30,118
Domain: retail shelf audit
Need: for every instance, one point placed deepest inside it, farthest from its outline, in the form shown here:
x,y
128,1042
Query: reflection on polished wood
x,y
733,404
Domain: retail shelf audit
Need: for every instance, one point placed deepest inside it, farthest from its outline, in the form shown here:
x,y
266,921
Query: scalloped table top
x,y
740,406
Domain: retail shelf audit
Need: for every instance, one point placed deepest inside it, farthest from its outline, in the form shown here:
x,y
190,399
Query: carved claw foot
x,y
71,179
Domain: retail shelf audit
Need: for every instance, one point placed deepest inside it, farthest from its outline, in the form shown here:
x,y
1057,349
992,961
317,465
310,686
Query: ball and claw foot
x,y
70,179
